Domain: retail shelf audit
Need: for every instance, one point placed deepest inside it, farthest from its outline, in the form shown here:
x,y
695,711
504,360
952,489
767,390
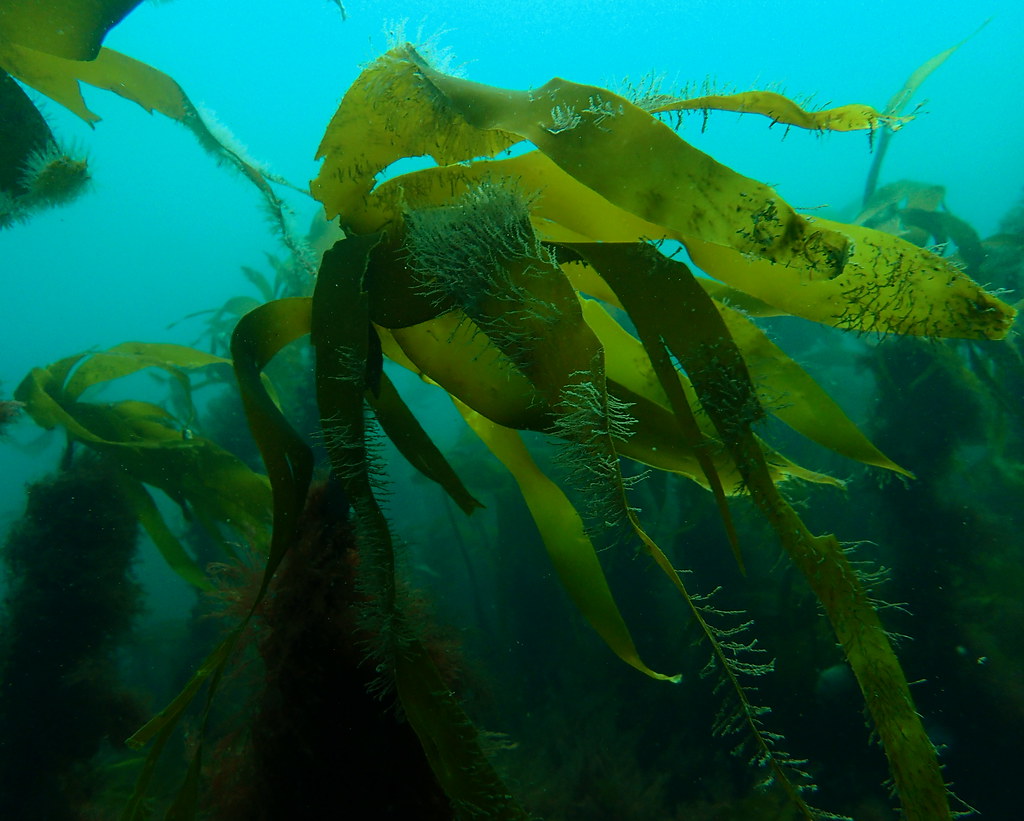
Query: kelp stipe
x,y
347,371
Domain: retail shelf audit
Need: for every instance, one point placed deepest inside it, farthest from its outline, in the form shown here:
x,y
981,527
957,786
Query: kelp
x,y
449,739
151,447
23,131
59,79
898,103
475,287
71,29
744,234
258,337
53,48
534,290
916,211
779,109
35,171
347,362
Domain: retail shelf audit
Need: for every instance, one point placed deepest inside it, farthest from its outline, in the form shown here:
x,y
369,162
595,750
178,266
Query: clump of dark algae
x,y
321,738
69,604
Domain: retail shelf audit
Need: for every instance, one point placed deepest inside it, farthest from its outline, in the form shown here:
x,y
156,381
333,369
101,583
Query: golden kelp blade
x,y
781,109
148,446
887,285
452,353
706,350
639,164
612,172
58,79
72,29
900,100
789,393
456,355
786,390
365,136
561,528
921,73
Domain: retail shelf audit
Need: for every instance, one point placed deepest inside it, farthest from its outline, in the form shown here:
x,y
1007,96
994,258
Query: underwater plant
x,y
36,40
313,690
35,172
148,445
69,603
53,48
487,277
544,291
476,274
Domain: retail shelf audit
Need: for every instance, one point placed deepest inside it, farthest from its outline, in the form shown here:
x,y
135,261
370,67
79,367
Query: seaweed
x,y
69,604
53,49
149,446
35,171
485,270
71,29
541,292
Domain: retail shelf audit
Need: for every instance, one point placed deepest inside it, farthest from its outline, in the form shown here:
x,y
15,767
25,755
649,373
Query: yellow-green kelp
x,y
481,275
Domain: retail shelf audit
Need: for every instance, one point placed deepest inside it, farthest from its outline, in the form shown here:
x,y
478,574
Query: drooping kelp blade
x,y
570,549
171,549
455,354
73,29
257,339
405,432
788,392
784,388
